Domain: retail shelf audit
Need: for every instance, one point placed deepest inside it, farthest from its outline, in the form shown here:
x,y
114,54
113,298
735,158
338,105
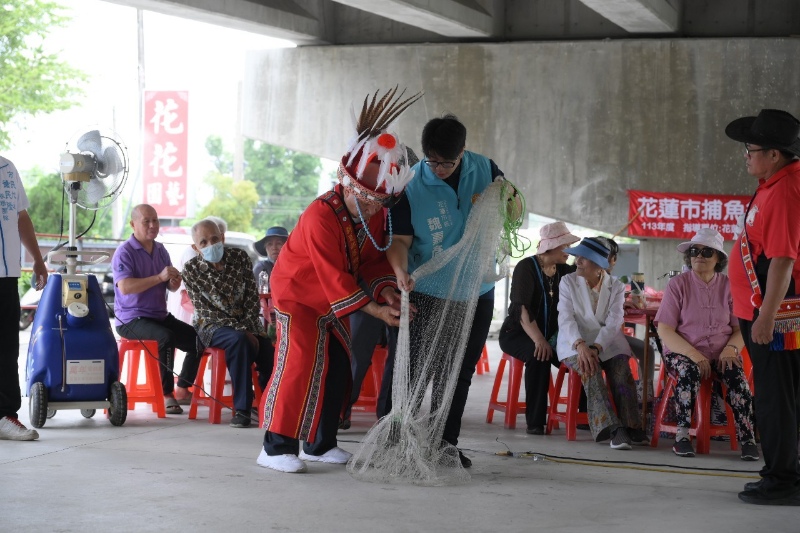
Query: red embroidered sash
x,y
786,335
336,203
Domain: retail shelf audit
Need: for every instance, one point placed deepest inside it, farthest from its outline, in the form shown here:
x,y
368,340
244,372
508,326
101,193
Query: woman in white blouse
x,y
590,341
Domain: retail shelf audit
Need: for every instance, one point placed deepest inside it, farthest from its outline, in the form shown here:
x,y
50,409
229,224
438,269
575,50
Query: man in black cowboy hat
x,y
772,232
269,247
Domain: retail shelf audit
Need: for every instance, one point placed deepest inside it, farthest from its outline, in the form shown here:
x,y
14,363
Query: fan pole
x,y
72,261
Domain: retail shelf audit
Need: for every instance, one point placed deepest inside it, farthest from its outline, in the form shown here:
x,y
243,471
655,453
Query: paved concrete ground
x,y
177,474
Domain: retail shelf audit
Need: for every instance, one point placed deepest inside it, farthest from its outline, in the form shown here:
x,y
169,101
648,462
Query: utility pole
x,y
238,141
136,167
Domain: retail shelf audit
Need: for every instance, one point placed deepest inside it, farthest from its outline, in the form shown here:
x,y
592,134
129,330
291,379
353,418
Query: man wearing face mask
x,y
225,300
143,273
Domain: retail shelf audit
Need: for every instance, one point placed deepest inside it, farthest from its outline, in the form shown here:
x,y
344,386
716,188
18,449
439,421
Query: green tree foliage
x,y
45,195
32,81
233,201
285,182
222,160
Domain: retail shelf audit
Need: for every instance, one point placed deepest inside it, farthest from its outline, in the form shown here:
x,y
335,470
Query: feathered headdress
x,y
371,142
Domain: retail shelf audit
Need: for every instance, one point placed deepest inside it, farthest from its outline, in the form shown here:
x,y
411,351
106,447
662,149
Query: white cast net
x,y
406,445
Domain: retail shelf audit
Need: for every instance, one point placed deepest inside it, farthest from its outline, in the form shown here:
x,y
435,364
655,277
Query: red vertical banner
x,y
166,151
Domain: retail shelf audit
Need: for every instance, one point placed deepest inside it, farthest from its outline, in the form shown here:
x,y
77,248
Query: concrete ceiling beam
x,y
458,19
283,19
638,16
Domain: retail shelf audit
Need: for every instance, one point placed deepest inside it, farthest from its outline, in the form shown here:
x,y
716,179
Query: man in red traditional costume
x,y
339,240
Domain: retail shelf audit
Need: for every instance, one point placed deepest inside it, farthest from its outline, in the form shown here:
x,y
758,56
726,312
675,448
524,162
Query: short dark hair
x,y
722,260
611,244
445,137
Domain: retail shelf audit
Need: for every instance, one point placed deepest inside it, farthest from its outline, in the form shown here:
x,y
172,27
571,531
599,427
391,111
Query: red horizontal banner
x,y
672,215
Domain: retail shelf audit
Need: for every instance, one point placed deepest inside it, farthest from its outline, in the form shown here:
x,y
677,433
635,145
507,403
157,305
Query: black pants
x,y
479,330
366,332
777,406
170,334
335,390
10,393
239,358
517,344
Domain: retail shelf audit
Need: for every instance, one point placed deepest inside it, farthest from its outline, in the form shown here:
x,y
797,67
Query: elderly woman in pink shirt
x,y
701,338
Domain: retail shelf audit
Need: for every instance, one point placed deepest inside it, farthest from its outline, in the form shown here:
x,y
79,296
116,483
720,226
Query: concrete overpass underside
x,y
340,22
574,124
576,100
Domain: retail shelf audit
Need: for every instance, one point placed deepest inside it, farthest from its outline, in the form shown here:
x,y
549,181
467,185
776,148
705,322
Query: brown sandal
x,y
172,407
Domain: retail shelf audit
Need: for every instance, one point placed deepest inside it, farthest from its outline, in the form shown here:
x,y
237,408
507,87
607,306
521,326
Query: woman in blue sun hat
x,y
590,342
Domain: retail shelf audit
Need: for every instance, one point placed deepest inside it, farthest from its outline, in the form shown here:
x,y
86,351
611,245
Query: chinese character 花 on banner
x,y
678,215
165,150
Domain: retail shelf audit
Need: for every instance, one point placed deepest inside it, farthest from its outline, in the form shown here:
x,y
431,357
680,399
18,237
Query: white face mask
x,y
213,253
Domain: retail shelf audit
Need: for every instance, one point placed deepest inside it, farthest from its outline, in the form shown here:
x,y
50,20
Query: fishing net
x,y
406,445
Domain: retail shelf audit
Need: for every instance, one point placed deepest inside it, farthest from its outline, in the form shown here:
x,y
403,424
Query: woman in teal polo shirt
x,y
430,218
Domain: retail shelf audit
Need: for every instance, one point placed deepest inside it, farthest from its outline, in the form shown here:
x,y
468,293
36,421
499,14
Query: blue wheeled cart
x,y
73,362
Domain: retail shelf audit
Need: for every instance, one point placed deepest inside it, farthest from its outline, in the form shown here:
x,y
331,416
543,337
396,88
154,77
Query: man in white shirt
x,y
15,228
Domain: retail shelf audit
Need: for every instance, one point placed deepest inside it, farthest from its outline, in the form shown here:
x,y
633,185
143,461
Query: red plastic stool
x,y
570,417
150,391
634,365
256,387
217,399
483,363
701,429
512,407
370,389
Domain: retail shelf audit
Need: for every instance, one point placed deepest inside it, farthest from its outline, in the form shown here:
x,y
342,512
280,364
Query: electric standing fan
x,y
73,361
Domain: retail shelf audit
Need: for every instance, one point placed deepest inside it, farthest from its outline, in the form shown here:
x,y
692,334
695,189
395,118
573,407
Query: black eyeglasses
x,y
708,253
447,165
748,150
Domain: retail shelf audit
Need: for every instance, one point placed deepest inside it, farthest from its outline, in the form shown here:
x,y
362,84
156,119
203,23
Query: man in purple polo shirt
x,y
142,274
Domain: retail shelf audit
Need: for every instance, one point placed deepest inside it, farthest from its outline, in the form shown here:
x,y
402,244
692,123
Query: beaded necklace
x,y
366,229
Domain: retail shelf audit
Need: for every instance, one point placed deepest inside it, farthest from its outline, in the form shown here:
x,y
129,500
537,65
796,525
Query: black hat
x,y
274,231
772,128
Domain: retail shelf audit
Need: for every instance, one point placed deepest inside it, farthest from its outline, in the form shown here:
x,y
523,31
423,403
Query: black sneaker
x,y
683,448
638,437
344,423
620,440
535,430
241,420
784,497
749,452
466,462
754,485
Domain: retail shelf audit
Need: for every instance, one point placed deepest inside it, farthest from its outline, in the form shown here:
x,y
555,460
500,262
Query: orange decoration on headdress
x,y
387,140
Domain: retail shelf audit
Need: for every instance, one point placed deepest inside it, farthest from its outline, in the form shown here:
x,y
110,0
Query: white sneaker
x,y
13,429
282,463
336,456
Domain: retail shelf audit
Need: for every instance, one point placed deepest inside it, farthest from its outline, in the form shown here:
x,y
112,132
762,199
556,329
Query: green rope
x,y
512,243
